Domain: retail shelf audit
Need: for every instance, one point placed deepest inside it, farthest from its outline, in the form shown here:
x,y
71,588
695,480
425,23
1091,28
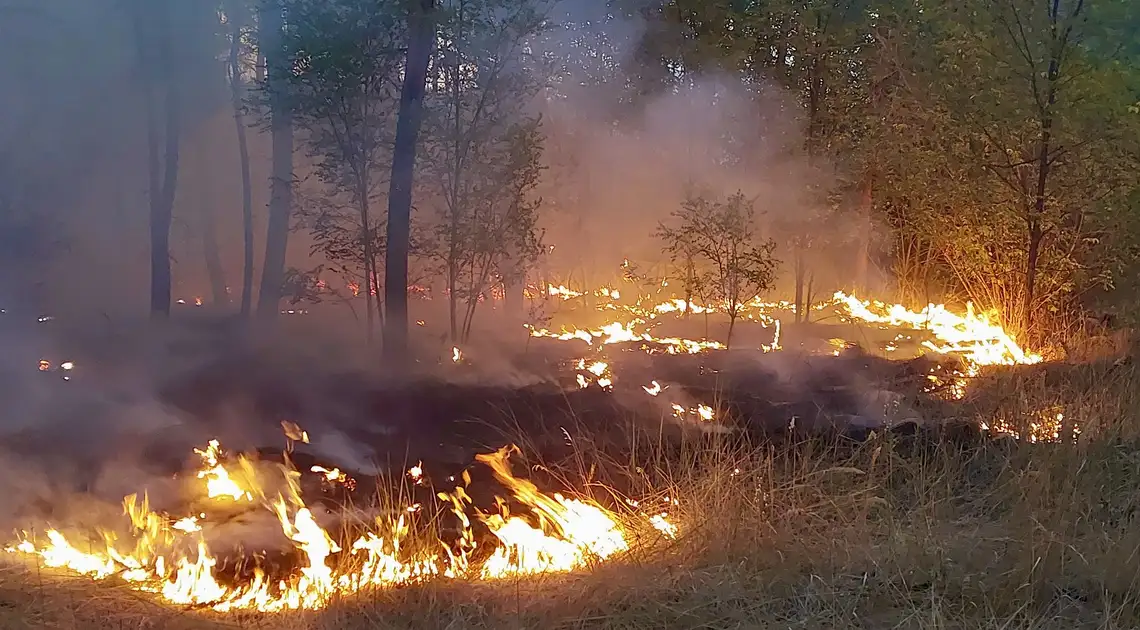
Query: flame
x,y
171,559
218,481
416,473
562,292
975,337
569,532
333,475
456,355
702,412
661,523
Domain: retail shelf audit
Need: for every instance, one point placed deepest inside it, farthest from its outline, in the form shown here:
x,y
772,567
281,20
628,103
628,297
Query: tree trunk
x,y
369,259
453,264
421,38
281,184
514,303
731,325
798,263
689,279
162,200
452,303
1037,213
809,299
236,92
863,255
219,294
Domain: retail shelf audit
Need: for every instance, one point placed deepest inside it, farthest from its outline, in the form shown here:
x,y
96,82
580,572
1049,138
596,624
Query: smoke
x,y
630,136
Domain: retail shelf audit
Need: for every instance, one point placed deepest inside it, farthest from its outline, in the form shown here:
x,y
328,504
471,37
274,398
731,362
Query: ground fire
x,y
169,555
530,531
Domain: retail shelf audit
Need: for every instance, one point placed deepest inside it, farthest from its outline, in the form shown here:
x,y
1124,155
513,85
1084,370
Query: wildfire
x,y
170,557
975,337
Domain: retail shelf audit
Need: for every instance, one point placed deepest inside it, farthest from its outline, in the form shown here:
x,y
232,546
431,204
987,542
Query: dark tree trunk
x,y
863,255
1037,212
219,293
281,184
369,260
809,299
421,38
514,302
236,92
163,176
800,272
689,280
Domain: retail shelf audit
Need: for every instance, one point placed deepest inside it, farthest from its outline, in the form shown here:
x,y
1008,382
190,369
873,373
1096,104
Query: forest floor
x,y
886,532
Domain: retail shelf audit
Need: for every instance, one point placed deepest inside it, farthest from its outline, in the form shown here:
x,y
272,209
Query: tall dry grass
x,y
891,533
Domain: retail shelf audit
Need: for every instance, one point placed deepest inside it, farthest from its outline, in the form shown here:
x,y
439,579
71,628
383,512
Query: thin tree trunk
x,y
162,200
453,265
220,296
808,299
689,279
798,263
159,244
513,301
863,255
1059,38
452,304
369,271
236,92
1035,232
281,185
421,39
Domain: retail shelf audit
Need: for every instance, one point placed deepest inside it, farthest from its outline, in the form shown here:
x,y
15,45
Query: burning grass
x,y
896,531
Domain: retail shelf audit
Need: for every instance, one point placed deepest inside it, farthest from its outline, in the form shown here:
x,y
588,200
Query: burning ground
x,y
800,482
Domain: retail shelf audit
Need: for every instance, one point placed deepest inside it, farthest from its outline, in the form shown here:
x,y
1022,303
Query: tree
x,y
1016,189
154,41
271,43
342,91
236,17
732,264
421,40
818,51
483,151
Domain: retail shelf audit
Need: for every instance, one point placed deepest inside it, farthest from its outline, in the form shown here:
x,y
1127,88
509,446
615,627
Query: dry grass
x,y
889,536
